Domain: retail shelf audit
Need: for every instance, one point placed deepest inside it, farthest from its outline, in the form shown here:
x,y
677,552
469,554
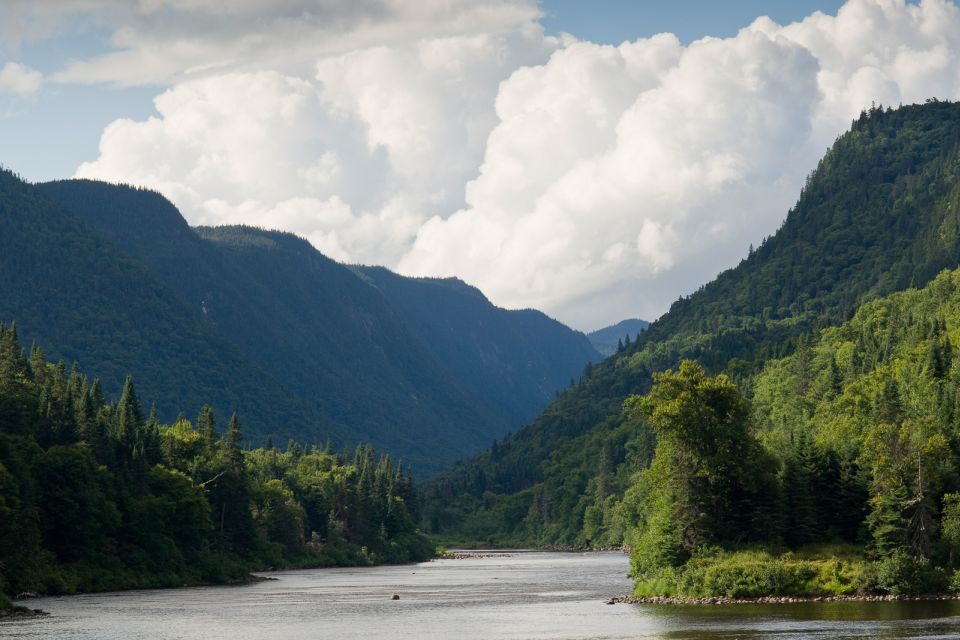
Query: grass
x,y
822,571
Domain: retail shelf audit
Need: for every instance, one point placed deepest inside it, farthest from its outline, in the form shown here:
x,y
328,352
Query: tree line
x,y
98,494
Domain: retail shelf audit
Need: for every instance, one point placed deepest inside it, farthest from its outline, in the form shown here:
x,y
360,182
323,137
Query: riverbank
x,y
781,599
481,552
572,548
18,612
10,610
466,554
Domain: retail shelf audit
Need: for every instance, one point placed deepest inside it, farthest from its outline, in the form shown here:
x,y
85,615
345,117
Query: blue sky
x,y
613,21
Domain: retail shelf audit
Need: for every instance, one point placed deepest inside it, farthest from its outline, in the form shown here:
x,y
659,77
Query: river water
x,y
522,595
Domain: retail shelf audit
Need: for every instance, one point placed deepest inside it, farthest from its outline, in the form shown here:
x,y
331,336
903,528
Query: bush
x,y
900,573
753,574
955,582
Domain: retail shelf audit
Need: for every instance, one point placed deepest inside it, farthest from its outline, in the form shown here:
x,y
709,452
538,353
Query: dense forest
x,y
878,215
847,456
98,495
260,323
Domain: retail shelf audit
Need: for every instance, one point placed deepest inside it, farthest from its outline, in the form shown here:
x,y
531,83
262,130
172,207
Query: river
x,y
522,595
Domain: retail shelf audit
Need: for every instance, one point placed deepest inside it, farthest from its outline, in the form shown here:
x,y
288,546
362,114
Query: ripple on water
x,y
526,595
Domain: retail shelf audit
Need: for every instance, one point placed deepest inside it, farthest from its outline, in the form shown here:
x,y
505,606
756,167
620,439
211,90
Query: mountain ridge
x,y
331,341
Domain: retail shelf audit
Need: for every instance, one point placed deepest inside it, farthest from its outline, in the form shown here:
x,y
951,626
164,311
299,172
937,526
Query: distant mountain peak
x,y
609,339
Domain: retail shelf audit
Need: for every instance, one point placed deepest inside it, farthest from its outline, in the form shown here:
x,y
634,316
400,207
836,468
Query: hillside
x,y
512,362
877,215
609,340
85,300
846,458
428,370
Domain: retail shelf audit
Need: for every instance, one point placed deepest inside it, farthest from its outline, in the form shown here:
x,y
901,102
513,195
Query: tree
x,y
707,481
207,427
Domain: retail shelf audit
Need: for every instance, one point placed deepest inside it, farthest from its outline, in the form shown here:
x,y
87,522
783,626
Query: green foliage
x,y
752,574
877,215
709,475
902,573
125,502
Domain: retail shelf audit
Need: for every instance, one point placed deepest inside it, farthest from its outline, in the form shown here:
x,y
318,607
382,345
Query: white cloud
x,y
18,79
594,182
642,154
164,41
387,136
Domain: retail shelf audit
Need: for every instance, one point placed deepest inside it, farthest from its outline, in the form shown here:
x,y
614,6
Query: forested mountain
x,y
847,456
880,213
85,300
610,340
511,358
95,495
319,349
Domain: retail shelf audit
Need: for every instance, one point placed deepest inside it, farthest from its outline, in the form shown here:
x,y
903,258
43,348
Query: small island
x,y
734,512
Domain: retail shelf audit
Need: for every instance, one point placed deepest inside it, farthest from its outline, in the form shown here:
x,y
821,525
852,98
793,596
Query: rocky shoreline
x,y
17,613
778,599
583,549
462,554
468,555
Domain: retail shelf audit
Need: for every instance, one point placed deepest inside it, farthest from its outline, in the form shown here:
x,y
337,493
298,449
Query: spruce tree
x,y
207,427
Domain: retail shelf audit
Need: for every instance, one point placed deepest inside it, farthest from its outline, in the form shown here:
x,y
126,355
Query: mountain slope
x,y
515,361
879,213
74,291
426,369
609,340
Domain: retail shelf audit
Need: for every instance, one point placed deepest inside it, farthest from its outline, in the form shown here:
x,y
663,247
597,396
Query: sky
x,y
595,160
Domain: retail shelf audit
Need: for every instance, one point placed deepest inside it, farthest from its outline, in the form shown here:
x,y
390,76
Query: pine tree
x,y
234,452
206,425
887,404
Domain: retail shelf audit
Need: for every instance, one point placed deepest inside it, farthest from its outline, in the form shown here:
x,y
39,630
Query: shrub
x,y
900,573
753,574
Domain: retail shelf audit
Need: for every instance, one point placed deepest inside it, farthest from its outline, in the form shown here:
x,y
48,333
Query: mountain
x,y
879,214
511,359
609,340
87,301
428,370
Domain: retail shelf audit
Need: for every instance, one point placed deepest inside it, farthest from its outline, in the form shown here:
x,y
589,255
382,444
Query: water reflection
x,y
835,620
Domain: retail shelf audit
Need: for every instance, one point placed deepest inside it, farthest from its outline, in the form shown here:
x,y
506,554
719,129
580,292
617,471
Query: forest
x,y
868,433
838,476
98,494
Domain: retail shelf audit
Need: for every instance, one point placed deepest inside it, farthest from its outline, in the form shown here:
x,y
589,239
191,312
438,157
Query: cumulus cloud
x,y
20,80
594,182
355,157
